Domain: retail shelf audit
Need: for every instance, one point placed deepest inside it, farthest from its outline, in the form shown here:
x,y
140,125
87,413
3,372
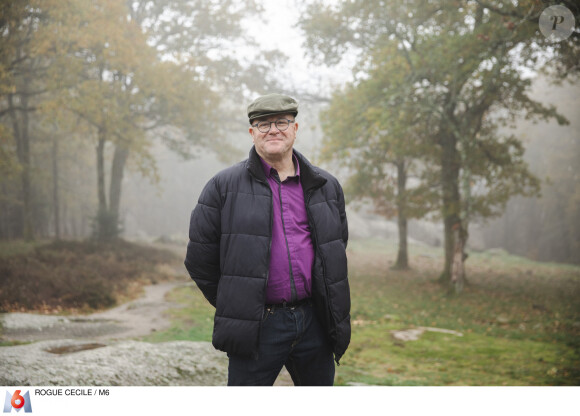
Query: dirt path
x,y
134,319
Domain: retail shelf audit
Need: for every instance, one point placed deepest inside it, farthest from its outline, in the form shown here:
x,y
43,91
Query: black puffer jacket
x,y
228,254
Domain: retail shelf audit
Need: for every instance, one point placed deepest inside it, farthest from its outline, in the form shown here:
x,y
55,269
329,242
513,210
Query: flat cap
x,y
271,104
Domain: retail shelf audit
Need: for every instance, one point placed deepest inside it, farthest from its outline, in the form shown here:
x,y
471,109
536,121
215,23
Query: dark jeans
x,y
291,337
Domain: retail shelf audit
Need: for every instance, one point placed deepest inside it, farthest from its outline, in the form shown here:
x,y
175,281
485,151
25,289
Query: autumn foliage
x,y
77,275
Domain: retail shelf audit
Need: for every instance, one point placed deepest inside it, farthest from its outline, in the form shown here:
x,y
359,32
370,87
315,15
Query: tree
x,y
383,150
119,74
19,70
205,38
548,228
464,74
30,51
165,87
120,89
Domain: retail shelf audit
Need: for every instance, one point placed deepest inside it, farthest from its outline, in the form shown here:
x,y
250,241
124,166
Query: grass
x,y
193,321
520,321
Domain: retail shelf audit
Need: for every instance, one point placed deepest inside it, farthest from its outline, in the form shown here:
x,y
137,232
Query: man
x,y
267,244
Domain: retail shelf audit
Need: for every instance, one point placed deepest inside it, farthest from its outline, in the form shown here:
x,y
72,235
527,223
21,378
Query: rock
x,y
90,350
415,333
407,334
27,327
28,321
441,330
125,363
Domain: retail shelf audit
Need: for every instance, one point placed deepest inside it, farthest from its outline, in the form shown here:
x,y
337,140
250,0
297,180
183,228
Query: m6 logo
x,y
17,402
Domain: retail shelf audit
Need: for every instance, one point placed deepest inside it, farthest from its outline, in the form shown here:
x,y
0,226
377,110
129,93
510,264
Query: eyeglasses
x,y
281,124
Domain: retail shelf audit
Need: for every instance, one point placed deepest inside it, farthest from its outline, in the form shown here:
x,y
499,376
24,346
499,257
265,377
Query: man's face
x,y
275,144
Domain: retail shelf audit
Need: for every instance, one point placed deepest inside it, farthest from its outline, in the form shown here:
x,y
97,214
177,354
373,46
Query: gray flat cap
x,y
271,104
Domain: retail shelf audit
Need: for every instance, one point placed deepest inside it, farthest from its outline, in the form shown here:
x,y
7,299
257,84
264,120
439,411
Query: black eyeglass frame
x,y
273,122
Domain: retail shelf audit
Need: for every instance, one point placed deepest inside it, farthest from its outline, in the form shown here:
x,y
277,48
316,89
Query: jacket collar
x,y
310,177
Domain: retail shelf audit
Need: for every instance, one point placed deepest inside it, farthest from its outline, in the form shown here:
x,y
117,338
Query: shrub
x,y
70,274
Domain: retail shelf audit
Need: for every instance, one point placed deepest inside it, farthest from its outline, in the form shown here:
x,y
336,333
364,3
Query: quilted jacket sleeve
x,y
342,211
202,260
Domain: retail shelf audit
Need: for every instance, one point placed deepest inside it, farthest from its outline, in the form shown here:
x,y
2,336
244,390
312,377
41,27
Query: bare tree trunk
x,y
451,200
55,196
458,275
101,170
402,256
64,219
103,228
20,127
117,169
26,183
458,265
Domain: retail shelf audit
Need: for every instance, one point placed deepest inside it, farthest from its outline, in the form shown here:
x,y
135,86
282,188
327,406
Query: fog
x,y
51,189
151,211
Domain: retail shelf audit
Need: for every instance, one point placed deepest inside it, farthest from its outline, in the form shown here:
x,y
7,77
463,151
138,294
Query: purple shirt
x,y
291,253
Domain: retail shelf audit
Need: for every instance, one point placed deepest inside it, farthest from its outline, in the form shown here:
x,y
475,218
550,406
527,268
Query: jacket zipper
x,y
269,248
337,359
307,200
270,240
267,185
293,295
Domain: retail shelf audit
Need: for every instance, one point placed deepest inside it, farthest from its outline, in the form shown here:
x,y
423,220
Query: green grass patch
x,y
440,359
520,320
193,321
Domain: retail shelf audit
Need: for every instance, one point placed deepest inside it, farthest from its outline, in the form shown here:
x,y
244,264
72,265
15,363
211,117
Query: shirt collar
x,y
268,170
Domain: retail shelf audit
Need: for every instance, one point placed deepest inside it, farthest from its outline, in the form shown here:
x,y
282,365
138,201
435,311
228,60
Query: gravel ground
x,y
95,349
122,363
134,319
